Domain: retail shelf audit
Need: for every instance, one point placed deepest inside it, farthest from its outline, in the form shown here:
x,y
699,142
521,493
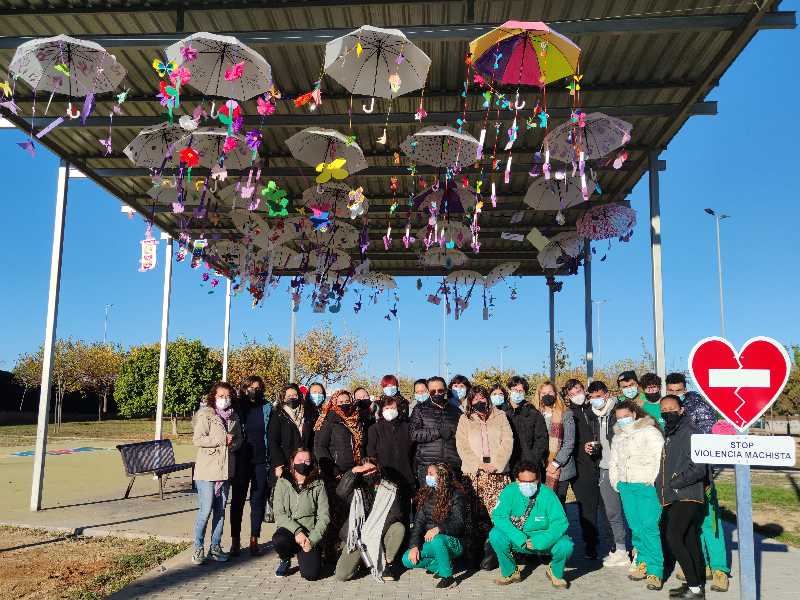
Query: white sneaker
x,y
634,567
198,556
618,558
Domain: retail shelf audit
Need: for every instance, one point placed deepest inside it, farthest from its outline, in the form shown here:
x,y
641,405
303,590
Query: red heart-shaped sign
x,y
740,386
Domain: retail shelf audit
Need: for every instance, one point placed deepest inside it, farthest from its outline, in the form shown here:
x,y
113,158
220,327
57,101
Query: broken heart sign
x,y
740,385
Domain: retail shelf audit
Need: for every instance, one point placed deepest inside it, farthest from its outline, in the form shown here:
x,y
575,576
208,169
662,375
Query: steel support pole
x,y
552,313
587,308
744,528
162,356
719,273
655,255
226,341
397,357
445,374
292,342
37,484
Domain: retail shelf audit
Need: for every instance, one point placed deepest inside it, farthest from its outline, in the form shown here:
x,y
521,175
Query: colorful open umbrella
x,y
524,53
209,143
440,146
597,136
450,198
607,221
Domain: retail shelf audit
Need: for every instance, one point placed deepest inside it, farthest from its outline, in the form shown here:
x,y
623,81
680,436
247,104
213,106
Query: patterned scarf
x,y
555,440
296,415
352,422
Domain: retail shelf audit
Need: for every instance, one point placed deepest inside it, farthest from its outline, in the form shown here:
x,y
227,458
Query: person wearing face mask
x,y
527,423
560,439
389,441
317,395
603,403
301,516
437,535
632,469
681,488
651,388
217,435
374,531
530,519
586,483
630,387
459,388
712,538
420,393
484,441
252,463
365,408
433,430
291,426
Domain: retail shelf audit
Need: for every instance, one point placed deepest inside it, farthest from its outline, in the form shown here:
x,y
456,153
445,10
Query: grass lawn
x,y
38,564
776,509
133,430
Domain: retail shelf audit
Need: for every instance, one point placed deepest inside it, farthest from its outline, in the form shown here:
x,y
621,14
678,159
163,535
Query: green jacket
x,y
653,409
304,509
545,525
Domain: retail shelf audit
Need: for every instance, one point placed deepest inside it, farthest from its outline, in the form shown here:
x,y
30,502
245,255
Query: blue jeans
x,y
209,505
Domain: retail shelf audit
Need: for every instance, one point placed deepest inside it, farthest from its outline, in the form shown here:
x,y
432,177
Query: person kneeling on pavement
x,y
529,519
374,531
440,522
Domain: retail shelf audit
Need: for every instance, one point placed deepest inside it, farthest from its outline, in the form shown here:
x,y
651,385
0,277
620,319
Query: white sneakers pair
x,y
617,558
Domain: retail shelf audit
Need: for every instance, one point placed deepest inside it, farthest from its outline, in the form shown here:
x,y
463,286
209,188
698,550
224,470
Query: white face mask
x,y
390,414
630,392
578,399
222,403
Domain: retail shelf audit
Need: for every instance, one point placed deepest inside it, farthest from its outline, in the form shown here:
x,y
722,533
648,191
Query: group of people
x,y
463,471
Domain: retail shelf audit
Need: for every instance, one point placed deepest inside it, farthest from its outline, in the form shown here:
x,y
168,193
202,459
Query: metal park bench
x,y
155,458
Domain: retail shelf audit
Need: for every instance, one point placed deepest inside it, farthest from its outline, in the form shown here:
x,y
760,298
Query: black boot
x,y
489,562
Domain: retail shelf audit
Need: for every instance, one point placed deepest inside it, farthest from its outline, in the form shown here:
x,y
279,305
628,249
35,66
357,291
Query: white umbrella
x,y
217,55
151,145
557,194
83,67
440,257
464,278
500,272
372,61
380,281
600,135
334,196
315,145
441,147
562,244
208,142
458,198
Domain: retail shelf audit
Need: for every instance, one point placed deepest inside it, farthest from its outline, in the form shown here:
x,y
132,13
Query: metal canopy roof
x,y
651,63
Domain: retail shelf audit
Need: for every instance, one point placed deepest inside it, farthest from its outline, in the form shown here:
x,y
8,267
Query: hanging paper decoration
x,y
148,260
276,200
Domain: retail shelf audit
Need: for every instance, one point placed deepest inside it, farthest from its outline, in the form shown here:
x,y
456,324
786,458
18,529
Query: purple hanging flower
x,y
253,139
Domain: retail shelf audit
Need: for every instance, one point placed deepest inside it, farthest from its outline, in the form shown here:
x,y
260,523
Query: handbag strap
x,y
519,522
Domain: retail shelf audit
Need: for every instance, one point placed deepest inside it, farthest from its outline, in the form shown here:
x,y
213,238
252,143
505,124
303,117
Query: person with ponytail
x,y
436,539
217,435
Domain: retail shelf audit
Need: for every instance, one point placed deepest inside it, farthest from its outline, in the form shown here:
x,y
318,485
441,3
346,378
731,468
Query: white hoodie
x,y
635,453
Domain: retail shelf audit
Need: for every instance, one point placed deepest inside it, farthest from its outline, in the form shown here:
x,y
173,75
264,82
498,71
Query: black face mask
x,y
346,408
439,398
363,404
293,402
548,400
255,396
481,407
671,420
303,469
654,397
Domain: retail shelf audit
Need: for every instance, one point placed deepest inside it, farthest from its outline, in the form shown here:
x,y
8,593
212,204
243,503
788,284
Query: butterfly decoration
x,y
575,85
274,93
395,82
106,143
334,169
62,68
235,72
320,219
265,107
188,53
359,48
355,202
29,147
351,139
276,200
123,96
543,116
487,99
164,69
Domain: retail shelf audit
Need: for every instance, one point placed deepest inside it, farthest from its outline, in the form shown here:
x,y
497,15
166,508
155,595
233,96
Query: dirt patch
x,y
42,565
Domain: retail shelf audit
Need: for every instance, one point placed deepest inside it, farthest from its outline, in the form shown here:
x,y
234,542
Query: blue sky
x,y
737,162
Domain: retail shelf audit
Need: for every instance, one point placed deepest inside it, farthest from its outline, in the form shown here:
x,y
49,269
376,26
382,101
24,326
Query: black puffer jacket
x,y
390,443
453,525
283,437
433,429
679,478
530,434
587,429
333,446
347,487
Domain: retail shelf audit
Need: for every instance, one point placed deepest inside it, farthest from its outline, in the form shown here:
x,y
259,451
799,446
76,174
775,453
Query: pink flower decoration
x,y
235,72
229,145
188,53
181,74
265,107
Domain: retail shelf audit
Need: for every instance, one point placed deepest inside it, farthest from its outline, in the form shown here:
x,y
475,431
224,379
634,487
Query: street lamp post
x,y
502,348
599,304
717,219
105,322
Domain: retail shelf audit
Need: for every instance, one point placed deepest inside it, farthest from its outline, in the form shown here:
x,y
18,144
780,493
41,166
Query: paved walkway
x,y
83,493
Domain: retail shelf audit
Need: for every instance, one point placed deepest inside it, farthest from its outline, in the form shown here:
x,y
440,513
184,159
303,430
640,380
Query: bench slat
x,y
147,457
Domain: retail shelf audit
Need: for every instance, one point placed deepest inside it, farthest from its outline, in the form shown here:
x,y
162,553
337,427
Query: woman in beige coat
x,y
217,435
484,441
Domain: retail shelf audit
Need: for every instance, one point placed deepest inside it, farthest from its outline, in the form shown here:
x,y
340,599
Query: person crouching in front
x,y
375,529
437,537
529,519
301,512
